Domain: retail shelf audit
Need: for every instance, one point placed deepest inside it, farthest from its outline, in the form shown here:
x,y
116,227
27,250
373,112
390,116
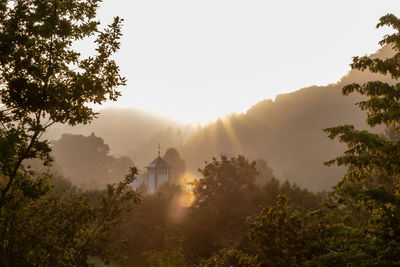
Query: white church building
x,y
158,173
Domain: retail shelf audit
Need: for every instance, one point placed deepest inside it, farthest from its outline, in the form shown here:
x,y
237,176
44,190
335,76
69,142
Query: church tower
x,y
158,173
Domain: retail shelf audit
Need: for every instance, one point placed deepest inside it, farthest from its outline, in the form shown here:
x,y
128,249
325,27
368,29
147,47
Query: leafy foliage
x,y
171,256
223,181
224,197
43,81
161,229
150,227
286,237
360,225
231,257
371,186
64,229
279,235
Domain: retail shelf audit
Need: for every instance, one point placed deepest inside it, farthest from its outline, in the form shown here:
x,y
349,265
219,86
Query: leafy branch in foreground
x,y
65,229
43,81
371,186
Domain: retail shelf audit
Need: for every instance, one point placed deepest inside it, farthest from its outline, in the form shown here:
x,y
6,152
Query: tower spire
x,y
159,148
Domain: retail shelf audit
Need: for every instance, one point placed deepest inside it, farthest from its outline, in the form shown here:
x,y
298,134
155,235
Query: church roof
x,y
158,163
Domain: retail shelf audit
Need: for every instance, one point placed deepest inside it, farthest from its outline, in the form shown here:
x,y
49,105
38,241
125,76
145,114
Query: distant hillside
x,y
287,132
130,132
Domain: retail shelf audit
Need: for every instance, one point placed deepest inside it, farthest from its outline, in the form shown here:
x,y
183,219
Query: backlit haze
x,y
195,61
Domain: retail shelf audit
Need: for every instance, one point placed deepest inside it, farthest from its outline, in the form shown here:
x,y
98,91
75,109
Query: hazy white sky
x,y
198,60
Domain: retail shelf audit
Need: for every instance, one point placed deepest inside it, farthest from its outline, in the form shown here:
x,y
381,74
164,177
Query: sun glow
x,y
200,70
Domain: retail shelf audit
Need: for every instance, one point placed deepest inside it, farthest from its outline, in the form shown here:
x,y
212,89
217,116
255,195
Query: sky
x,y
195,61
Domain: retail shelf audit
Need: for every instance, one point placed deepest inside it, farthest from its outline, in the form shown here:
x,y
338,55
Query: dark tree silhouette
x,y
178,165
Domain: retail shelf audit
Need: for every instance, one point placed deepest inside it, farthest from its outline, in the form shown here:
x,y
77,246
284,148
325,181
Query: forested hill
x,y
287,132
130,132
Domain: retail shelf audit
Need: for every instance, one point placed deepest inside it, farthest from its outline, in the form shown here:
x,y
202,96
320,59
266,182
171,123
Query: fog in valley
x,y
286,132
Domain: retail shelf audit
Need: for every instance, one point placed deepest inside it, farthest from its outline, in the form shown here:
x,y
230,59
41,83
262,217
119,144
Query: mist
x,y
287,133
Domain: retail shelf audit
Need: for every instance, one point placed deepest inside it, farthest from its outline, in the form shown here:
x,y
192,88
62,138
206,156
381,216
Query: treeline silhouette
x,y
287,132
162,230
